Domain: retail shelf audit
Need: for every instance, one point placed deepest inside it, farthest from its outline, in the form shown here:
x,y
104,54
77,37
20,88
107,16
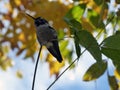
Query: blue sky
x,y
71,80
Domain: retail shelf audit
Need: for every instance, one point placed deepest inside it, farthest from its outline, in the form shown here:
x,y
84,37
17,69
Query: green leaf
x,y
89,42
112,42
94,18
77,47
111,48
61,34
75,26
95,71
63,45
75,13
118,13
114,55
111,53
113,83
117,68
117,1
111,18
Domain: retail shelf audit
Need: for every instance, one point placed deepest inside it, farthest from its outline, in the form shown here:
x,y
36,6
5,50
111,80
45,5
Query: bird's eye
x,y
37,23
43,21
40,21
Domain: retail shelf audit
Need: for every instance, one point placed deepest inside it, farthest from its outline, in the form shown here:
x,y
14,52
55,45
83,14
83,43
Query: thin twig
x,y
61,74
36,68
64,71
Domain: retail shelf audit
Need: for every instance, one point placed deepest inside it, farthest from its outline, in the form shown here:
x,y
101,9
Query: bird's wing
x,y
54,48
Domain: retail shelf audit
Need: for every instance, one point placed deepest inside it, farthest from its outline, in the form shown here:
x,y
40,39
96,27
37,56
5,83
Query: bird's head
x,y
39,20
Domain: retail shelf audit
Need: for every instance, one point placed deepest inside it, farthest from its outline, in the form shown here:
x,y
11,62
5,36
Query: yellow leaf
x,y
5,63
117,74
22,37
94,6
19,74
30,52
9,7
5,49
51,7
17,2
87,25
105,13
54,65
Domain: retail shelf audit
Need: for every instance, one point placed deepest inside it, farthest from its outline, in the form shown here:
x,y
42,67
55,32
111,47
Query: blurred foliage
x,y
20,33
82,17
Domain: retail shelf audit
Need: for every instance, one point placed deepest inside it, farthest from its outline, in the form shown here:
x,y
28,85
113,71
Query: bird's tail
x,y
54,50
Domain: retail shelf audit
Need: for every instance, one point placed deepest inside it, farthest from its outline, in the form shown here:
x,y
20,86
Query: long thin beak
x,y
30,16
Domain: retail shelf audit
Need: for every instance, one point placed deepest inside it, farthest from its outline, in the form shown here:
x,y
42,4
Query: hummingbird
x,y
47,36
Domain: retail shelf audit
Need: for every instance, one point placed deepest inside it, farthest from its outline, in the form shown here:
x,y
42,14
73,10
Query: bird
x,y
47,36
